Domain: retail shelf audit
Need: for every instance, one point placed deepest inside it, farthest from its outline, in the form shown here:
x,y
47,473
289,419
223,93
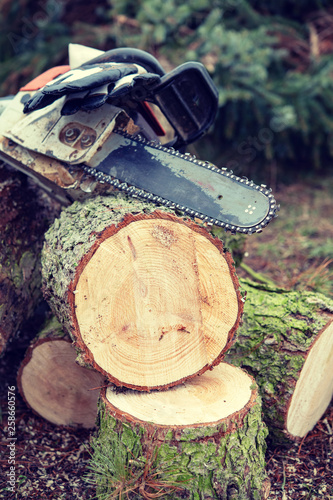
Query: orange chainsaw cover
x,y
41,80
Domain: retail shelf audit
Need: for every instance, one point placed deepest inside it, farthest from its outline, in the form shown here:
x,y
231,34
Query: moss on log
x,y
25,217
210,458
286,342
150,298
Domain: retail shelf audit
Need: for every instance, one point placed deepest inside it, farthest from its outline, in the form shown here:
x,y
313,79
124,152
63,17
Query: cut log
x,y
286,343
25,217
150,298
53,385
203,439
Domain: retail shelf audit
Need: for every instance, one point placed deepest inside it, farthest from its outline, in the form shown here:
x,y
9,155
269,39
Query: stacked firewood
x,y
149,319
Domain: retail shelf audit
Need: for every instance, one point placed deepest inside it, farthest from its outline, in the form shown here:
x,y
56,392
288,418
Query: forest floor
x,y
295,251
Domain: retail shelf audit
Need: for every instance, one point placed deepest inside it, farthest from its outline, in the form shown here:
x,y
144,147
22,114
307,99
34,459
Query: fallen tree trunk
x,y
150,298
53,385
25,217
203,439
286,343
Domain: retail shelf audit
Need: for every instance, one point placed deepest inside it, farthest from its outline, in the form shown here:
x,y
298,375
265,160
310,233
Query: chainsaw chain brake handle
x,y
186,95
129,56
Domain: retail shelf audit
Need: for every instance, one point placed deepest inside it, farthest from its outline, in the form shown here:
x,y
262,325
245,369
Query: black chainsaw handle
x,y
188,98
131,56
187,95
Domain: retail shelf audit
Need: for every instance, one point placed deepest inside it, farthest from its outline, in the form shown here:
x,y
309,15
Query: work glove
x,y
90,86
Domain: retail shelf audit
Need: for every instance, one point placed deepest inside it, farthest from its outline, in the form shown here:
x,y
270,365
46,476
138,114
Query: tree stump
x,y
150,298
53,385
25,217
202,439
286,343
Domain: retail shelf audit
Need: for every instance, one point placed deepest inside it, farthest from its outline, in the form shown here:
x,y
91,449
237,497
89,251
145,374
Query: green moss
x,y
277,330
191,465
52,328
2,310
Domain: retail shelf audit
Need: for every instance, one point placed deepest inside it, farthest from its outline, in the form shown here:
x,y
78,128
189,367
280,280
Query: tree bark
x,y
25,217
286,343
203,439
53,385
150,298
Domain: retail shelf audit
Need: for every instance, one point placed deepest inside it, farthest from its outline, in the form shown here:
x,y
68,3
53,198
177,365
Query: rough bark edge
x,y
276,421
179,437
86,356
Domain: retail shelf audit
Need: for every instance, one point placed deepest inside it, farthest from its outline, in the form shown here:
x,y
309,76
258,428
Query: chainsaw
x,y
101,119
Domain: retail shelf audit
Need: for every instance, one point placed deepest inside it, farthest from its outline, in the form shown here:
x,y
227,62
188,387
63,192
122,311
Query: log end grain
x,y
150,298
56,387
155,302
314,388
201,401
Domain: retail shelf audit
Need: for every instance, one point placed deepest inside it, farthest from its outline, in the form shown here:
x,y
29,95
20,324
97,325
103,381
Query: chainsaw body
x,y
73,129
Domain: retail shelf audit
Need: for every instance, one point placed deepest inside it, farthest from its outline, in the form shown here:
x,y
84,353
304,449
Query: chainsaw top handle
x,y
186,95
130,56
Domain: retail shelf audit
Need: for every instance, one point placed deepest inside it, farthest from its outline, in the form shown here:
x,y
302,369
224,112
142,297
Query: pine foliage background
x,y
271,61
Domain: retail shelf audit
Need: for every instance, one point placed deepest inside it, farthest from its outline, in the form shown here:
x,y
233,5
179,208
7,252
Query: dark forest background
x,y
271,61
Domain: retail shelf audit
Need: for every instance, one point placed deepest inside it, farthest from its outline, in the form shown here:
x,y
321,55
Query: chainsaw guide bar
x,y
162,175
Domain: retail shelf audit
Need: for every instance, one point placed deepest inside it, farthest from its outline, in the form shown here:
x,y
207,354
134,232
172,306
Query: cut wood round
x,y
53,385
286,343
202,439
25,217
149,297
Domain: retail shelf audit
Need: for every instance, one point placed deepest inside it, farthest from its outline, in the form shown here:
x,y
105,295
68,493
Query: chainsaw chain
x,y
135,192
